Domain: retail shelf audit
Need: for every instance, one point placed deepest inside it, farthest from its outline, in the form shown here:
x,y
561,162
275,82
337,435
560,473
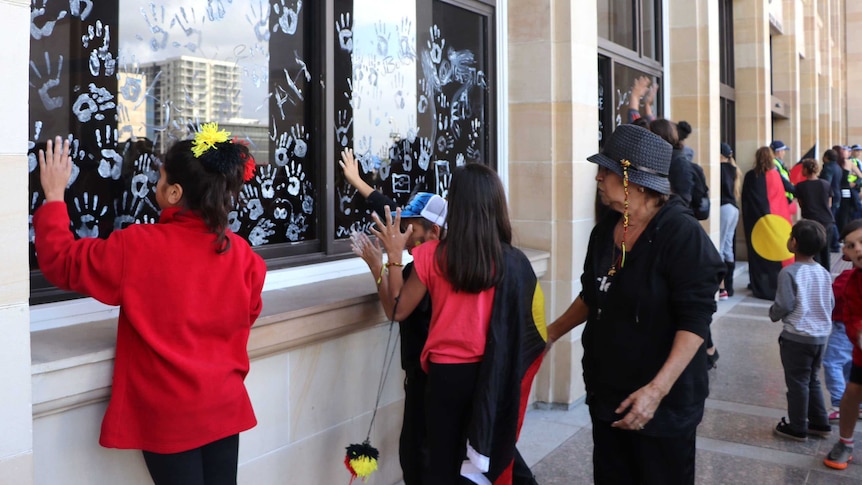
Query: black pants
x,y
622,456
412,448
448,402
212,464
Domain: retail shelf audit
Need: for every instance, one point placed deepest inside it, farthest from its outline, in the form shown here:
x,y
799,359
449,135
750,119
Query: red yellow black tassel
x,y
361,460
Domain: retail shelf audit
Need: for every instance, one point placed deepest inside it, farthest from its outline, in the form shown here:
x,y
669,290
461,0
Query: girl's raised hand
x,y
389,234
55,168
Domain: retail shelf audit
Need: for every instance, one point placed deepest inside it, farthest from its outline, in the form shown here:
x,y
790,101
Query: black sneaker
x,y
821,430
783,430
711,360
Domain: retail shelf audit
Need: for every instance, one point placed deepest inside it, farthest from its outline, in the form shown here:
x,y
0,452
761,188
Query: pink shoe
x,y
834,416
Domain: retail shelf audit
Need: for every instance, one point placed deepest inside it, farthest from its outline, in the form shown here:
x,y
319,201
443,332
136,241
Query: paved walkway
x,y
735,443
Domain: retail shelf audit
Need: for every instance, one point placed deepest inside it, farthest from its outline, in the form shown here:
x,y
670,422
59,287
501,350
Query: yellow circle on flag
x,y
769,237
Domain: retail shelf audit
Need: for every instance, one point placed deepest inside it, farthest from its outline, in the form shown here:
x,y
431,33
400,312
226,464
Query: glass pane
x,y
651,30
624,78
412,98
616,22
125,79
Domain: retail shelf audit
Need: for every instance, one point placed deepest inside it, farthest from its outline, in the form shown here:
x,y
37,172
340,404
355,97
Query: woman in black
x,y
647,315
815,199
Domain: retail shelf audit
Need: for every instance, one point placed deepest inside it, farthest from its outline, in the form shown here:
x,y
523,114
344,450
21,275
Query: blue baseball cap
x,y
426,205
777,146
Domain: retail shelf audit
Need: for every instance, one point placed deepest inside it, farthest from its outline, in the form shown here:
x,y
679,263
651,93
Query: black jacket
x,y
668,283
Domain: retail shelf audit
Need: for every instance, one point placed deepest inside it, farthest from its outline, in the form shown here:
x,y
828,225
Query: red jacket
x,y
853,313
185,317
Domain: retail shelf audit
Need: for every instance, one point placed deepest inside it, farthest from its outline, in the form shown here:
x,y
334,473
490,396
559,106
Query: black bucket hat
x,y
648,154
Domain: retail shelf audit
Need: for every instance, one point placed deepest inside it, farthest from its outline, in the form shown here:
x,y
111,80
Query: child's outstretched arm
x,y
55,168
351,173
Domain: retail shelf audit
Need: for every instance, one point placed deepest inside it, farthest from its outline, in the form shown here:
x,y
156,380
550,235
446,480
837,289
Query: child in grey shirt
x,y
804,303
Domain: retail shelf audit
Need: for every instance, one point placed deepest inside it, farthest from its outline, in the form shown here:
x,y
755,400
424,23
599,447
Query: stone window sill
x,y
72,365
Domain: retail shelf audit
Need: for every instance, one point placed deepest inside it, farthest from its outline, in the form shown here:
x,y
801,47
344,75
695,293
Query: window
x,y
406,84
727,72
630,46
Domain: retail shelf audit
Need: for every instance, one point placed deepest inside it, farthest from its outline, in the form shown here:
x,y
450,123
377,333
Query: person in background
x,y
804,303
189,291
831,172
815,199
838,358
683,128
850,175
731,184
487,332
647,315
766,218
780,150
681,175
841,454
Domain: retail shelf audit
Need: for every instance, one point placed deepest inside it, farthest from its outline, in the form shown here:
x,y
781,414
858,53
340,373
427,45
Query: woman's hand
x,y
641,406
370,252
55,168
389,234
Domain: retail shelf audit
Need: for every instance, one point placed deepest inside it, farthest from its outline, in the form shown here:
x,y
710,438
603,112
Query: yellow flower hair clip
x,y
207,138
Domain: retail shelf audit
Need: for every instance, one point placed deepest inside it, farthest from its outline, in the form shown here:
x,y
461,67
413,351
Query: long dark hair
x,y
667,131
209,189
471,254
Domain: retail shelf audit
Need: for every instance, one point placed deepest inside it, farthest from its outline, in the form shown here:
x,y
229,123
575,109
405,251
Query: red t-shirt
x,y
459,320
853,313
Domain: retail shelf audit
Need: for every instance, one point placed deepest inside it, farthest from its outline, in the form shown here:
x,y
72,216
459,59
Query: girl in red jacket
x,y
189,291
842,452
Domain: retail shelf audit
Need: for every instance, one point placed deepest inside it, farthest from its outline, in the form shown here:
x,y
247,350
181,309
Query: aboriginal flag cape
x,y
766,219
513,352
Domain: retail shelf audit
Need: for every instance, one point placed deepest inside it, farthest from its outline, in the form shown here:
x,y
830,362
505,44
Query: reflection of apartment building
x,y
199,90
252,131
131,105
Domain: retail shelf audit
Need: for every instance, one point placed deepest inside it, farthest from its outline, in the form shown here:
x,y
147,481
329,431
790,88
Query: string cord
x,y
388,357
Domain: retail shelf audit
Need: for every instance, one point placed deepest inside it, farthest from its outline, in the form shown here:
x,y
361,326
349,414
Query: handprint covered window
x,y
413,97
125,79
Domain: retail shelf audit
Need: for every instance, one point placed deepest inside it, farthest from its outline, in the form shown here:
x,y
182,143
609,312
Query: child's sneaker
x,y
840,456
834,416
783,430
722,295
822,430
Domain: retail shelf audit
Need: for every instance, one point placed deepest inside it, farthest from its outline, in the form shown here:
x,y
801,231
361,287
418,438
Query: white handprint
x,y
281,155
111,164
296,227
76,11
124,209
92,104
300,140
90,213
259,19
345,32
34,199
382,38
445,142
260,233
280,209
233,222
249,199
100,56
436,45
50,102
342,127
185,24
308,204
216,10
265,178
444,177
288,18
48,27
295,177
425,153
160,34
407,51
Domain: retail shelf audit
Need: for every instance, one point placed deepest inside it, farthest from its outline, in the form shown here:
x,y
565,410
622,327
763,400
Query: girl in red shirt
x,y
189,291
462,273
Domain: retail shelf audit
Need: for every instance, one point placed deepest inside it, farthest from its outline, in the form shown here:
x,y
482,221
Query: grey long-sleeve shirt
x,y
804,301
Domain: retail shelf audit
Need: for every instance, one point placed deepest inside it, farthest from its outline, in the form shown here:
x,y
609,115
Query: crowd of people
x,y
471,311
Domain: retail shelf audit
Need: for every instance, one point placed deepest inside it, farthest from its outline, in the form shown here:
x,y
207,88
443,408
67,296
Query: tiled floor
x,y
735,441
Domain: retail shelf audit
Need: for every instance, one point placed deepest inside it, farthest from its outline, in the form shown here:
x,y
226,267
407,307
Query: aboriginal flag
x,y
766,219
514,348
